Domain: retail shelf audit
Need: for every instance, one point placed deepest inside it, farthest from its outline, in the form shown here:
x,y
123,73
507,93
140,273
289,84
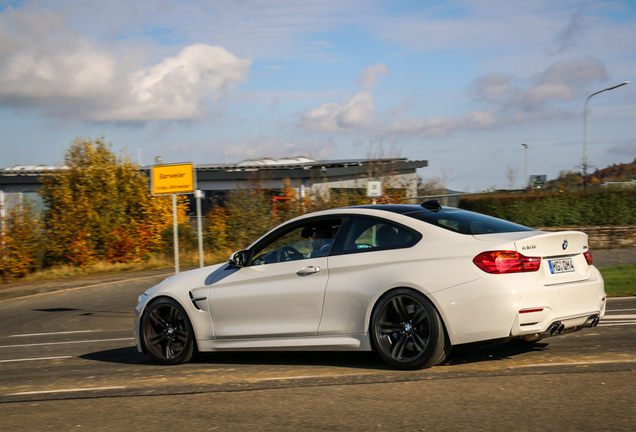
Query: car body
x,y
409,281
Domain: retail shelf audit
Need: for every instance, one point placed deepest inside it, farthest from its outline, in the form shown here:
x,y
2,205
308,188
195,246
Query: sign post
x,y
374,189
173,179
199,194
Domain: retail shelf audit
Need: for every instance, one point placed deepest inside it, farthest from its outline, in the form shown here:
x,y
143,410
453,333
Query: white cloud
x,y
624,149
369,77
178,87
358,114
40,59
504,100
261,146
564,80
507,103
442,126
46,67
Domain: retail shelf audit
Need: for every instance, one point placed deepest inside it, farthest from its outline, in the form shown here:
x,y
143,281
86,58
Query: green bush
x,y
601,207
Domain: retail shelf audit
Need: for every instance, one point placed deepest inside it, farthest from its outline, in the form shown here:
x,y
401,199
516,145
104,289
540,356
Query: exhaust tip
x,y
561,328
593,321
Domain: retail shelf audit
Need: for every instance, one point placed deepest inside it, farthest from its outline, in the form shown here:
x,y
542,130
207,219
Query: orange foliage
x,y
100,208
19,243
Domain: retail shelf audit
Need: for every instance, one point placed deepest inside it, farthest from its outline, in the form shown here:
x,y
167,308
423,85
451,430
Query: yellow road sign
x,y
172,179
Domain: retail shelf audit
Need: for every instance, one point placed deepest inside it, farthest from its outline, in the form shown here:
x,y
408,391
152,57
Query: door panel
x,y
278,299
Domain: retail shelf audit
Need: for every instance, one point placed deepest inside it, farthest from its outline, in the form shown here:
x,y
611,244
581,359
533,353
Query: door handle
x,y
308,271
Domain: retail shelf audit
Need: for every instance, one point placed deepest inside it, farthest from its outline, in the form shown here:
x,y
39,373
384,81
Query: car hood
x,y
190,279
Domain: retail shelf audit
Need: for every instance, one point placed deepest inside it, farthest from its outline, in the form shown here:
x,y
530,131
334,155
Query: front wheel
x,y
167,333
408,332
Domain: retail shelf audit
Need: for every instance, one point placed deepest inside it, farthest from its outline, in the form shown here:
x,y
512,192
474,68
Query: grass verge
x,y
620,281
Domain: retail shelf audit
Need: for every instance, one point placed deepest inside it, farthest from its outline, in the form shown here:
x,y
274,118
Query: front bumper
x,y
141,304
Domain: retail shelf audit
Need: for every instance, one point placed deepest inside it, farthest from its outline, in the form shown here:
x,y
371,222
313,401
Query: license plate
x,y
561,265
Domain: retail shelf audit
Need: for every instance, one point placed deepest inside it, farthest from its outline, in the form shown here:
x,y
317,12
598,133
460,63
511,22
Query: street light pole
x,y
526,177
587,101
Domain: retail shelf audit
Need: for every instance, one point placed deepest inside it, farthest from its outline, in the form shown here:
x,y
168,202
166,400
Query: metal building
x,y
304,174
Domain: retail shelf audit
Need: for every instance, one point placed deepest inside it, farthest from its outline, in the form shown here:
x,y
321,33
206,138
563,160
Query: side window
x,y
366,234
310,239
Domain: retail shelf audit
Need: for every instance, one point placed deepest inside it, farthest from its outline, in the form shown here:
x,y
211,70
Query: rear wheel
x,y
408,332
167,333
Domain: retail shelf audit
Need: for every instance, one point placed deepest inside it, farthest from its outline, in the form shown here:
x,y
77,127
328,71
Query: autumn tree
x,y
216,228
19,242
99,208
250,211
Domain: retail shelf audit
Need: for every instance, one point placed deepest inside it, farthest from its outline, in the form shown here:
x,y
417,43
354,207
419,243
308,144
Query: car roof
x,y
394,208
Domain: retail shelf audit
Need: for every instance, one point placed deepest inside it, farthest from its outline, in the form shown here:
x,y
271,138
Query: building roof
x,y
297,162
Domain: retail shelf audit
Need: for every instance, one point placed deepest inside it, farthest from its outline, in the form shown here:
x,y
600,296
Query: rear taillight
x,y
588,256
500,262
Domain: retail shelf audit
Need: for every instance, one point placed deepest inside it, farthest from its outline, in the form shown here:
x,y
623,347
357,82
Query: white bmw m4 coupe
x,y
409,281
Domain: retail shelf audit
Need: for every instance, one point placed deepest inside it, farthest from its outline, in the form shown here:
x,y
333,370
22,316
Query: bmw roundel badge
x,y
565,244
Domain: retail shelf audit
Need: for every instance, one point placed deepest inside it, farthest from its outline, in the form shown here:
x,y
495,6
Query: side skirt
x,y
355,342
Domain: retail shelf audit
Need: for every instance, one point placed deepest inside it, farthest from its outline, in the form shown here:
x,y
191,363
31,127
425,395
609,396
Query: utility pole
x,y
527,176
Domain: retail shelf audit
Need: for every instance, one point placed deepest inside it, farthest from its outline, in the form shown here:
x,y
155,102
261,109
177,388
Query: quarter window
x,y
367,234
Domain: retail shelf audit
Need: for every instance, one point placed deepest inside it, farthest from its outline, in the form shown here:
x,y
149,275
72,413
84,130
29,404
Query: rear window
x,y
466,222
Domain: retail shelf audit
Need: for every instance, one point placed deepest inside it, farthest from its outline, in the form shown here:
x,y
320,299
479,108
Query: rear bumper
x,y
502,306
572,306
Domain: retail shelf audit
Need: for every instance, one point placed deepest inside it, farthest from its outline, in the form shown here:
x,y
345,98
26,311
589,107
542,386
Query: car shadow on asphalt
x,y
460,355
491,351
349,359
127,355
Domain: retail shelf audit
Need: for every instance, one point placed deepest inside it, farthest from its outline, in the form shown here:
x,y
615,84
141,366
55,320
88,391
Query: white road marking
x,y
309,376
67,342
617,320
51,334
616,324
574,363
37,358
65,391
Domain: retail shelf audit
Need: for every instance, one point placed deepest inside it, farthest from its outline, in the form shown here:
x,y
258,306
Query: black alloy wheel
x,y
167,333
407,331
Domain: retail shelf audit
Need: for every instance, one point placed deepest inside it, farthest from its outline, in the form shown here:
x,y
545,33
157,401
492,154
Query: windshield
x,y
466,222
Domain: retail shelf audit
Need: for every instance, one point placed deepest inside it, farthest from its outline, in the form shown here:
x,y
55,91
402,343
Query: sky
x,y
459,83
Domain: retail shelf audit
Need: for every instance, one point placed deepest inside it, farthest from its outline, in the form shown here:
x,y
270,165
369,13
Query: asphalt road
x,y
68,362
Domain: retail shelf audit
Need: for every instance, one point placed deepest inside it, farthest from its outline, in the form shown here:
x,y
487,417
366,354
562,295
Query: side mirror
x,y
240,258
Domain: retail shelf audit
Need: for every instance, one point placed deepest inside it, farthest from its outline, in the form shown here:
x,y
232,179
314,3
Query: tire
x,y
407,331
166,332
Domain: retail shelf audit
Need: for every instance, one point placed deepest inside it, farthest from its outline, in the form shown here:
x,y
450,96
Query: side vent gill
x,y
194,300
